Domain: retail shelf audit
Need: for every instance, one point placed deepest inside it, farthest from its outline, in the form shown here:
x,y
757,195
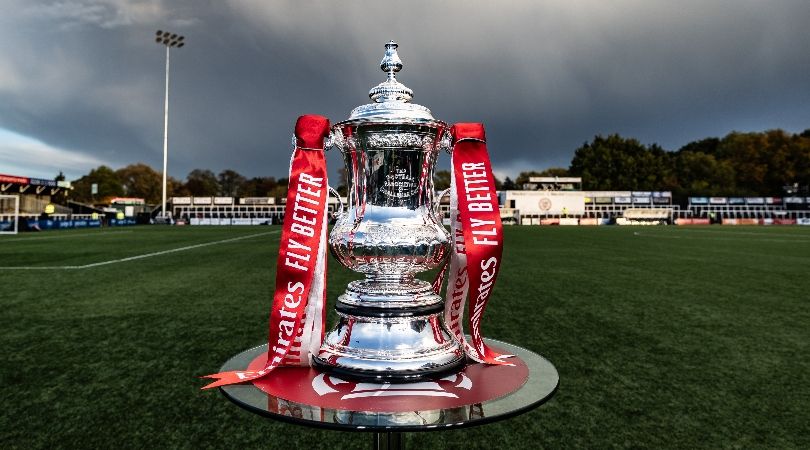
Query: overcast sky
x,y
82,81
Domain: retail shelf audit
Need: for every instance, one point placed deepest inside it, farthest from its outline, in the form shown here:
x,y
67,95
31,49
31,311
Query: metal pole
x,y
165,135
169,40
389,440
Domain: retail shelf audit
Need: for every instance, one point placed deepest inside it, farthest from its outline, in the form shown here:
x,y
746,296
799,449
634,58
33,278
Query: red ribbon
x,y
301,266
478,239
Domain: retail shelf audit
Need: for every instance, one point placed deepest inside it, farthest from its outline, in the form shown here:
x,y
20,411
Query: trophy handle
x,y
446,142
437,203
338,214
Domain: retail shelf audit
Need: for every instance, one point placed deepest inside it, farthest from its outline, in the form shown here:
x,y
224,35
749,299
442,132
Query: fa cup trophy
x,y
398,355
390,325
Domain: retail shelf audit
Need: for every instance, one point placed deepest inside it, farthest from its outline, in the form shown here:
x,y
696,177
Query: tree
x,y
109,185
280,191
509,185
744,152
554,172
779,157
523,178
799,153
343,181
699,174
498,183
744,164
707,146
176,188
141,181
441,180
230,181
617,163
202,183
258,187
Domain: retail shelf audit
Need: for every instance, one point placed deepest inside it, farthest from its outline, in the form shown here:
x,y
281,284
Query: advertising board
x,y
607,194
13,179
740,221
41,182
547,202
692,222
257,201
128,201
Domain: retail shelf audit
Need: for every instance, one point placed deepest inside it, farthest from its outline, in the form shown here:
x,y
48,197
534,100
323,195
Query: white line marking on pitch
x,y
746,233
714,238
39,238
136,257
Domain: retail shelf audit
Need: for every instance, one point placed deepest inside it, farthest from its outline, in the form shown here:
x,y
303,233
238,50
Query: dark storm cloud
x,y
85,77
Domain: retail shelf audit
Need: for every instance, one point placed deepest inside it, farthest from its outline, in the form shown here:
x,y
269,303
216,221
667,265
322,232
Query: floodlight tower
x,y
169,40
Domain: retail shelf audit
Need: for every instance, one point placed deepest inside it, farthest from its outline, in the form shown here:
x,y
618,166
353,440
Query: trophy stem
x,y
390,278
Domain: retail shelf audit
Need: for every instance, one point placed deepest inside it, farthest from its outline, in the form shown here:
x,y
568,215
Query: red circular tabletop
x,y
476,395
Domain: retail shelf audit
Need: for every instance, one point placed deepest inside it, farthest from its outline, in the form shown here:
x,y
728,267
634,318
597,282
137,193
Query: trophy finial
x,y
391,62
391,100
391,90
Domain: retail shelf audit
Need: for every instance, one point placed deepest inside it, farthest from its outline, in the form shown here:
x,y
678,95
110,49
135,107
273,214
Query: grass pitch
x,y
663,337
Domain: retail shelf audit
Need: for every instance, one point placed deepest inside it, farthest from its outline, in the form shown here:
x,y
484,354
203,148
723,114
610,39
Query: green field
x,y
664,337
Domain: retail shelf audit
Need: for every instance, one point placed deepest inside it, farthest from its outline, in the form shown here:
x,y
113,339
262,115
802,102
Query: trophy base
x,y
399,342
372,376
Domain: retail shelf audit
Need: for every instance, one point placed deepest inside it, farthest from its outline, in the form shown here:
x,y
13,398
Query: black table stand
x,y
389,428
391,440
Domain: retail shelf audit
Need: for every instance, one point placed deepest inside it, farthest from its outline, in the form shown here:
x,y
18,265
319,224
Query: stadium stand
x,y
34,193
718,209
226,210
559,201
40,208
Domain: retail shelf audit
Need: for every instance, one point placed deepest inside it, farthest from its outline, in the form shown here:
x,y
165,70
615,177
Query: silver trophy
x,y
390,326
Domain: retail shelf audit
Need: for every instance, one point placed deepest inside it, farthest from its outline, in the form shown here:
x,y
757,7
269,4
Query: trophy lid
x,y
392,99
